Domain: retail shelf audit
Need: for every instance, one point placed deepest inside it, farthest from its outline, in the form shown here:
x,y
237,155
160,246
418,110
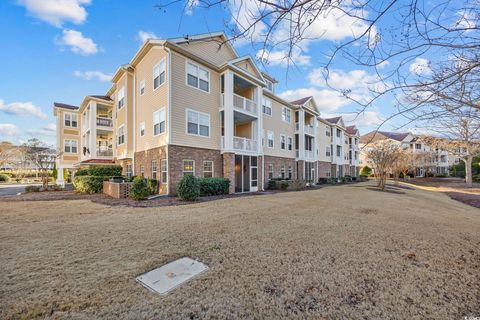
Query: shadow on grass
x,y
387,189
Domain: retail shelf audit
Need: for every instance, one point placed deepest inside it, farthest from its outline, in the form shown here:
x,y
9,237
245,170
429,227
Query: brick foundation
x,y
229,169
277,163
176,155
117,190
144,158
324,169
346,170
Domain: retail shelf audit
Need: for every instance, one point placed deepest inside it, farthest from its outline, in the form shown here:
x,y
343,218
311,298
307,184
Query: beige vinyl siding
x,y
186,97
323,141
151,101
68,159
248,67
278,126
122,116
210,51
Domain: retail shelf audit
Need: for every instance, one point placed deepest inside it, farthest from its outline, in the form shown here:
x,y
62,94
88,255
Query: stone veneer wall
x,y
277,164
324,168
176,155
144,158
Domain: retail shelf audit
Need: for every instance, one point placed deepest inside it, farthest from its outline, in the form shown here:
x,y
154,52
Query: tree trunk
x,y
468,171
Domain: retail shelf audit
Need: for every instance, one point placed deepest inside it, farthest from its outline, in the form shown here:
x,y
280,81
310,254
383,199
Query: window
x,y
286,114
208,169
142,87
418,146
188,167
159,122
154,169
339,133
270,139
327,132
267,106
290,172
283,142
121,97
121,135
282,172
269,85
198,123
328,173
270,171
290,143
70,146
70,120
163,171
128,171
142,171
142,129
159,74
328,151
198,77
339,151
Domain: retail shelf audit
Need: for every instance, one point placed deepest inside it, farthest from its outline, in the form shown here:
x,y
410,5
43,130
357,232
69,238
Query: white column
x,y
301,134
259,128
92,145
60,180
228,111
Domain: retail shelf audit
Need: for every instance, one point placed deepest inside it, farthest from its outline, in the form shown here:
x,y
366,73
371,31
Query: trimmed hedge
x,y
4,177
139,189
33,189
189,188
152,186
99,171
213,186
89,184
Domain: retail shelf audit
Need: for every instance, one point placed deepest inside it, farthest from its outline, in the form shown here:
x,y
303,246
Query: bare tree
x,y
6,151
403,163
381,155
37,153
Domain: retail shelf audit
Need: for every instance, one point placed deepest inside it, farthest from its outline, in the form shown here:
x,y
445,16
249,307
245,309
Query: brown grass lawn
x,y
343,252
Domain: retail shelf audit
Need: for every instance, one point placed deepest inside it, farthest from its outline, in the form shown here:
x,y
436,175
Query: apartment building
x,y
194,106
426,159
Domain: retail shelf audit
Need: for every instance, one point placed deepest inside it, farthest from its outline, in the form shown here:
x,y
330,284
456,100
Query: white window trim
x,y
153,117
153,78
271,107
290,138
71,115
290,111
273,140
198,66
209,124
122,89
161,171
183,167
203,169
142,84
124,134
285,137
156,169
142,124
65,143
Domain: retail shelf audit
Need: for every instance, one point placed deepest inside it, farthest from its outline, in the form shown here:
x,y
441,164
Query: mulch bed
x,y
470,199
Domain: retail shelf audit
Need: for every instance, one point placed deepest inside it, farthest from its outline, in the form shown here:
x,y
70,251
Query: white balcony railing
x,y
244,104
308,129
102,152
242,144
309,154
104,122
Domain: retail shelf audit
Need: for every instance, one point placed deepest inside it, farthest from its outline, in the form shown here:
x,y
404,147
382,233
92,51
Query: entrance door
x,y
246,173
253,174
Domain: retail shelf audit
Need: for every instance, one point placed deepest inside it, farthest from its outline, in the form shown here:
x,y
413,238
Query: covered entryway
x,y
246,173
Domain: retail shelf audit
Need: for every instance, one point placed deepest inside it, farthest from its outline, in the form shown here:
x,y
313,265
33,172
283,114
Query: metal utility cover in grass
x,y
166,278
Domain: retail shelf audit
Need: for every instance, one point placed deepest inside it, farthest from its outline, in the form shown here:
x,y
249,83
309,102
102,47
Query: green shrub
x,y
332,180
366,171
89,184
283,185
4,177
100,171
33,188
272,185
139,189
189,188
213,186
152,186
56,187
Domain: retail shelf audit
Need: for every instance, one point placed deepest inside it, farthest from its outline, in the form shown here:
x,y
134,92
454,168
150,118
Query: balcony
x,y
308,129
104,152
104,122
309,155
242,144
242,104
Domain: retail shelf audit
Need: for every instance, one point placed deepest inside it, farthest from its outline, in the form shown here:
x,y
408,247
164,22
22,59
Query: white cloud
x,y
8,129
93,74
281,57
327,100
191,4
77,42
47,131
145,35
22,109
383,64
420,67
367,118
56,12
467,20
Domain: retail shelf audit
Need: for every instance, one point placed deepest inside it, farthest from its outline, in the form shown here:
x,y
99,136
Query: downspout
x,y
134,89
169,112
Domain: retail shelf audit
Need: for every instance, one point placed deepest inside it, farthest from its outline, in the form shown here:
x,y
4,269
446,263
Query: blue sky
x,y
64,54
